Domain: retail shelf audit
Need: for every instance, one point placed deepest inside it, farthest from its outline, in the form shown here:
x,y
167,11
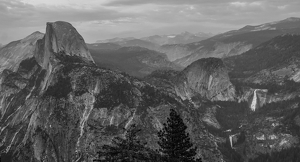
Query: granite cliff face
x,y
207,78
13,53
61,39
58,106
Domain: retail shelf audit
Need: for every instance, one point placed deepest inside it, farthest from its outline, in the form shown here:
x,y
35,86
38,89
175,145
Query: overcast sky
x,y
102,19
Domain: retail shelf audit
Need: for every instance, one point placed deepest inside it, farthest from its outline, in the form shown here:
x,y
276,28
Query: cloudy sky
x,y
102,19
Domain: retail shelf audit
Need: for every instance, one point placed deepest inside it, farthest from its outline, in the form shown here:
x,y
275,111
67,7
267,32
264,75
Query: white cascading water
x,y
254,101
230,139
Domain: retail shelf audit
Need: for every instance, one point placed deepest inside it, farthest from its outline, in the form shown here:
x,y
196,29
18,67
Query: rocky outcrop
x,y
259,98
61,38
13,53
207,78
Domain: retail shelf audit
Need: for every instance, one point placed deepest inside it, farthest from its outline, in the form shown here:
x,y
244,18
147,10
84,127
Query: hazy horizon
x,y
106,19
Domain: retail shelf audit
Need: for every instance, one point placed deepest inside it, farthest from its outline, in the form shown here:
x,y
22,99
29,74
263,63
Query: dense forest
x,y
175,145
286,86
267,55
287,155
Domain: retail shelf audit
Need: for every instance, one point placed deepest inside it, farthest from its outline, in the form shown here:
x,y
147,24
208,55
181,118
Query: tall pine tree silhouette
x,y
175,144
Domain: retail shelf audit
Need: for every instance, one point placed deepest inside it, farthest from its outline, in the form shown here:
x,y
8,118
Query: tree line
x,y
287,85
289,155
175,145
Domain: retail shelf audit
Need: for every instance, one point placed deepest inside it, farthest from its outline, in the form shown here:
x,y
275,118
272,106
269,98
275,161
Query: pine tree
x,y
128,149
175,144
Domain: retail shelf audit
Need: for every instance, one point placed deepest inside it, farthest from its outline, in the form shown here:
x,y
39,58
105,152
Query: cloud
x,y
100,19
161,2
246,4
16,13
282,7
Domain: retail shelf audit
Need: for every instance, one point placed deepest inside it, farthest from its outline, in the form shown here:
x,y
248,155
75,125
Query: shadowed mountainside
x,y
136,61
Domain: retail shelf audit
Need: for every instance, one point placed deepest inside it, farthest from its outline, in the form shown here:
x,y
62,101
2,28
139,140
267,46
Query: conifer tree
x,y
128,149
175,144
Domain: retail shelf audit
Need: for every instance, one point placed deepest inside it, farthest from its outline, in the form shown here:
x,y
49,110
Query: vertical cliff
x,y
13,53
207,78
61,39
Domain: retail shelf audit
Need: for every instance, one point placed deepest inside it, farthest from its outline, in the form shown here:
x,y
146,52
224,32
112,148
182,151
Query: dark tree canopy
x,y
289,155
175,144
128,149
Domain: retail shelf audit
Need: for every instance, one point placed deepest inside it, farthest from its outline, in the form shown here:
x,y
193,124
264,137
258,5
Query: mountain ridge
x,y
235,42
136,61
181,38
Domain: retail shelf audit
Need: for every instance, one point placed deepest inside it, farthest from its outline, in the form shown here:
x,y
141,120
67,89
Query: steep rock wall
x,y
12,54
61,38
207,78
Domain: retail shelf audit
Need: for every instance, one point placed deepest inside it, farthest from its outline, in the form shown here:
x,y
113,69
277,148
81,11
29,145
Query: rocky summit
x,y
61,38
15,52
207,78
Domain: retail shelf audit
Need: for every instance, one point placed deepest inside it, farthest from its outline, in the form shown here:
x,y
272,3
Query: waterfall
x,y
254,101
230,139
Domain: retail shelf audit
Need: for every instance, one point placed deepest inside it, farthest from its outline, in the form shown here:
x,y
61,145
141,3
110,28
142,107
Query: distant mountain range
x,y
128,42
182,38
269,62
185,48
224,45
233,42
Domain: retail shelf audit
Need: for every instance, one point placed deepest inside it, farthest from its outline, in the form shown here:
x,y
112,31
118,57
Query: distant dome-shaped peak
x,y
64,38
61,38
61,26
186,33
209,65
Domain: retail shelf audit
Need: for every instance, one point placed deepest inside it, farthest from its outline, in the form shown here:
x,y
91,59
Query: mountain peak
x,y
210,63
207,77
61,38
186,33
64,37
32,38
292,19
